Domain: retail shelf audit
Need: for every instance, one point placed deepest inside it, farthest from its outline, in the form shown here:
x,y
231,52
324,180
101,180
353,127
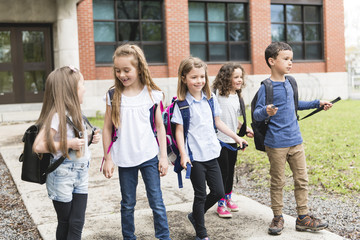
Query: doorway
x,y
25,61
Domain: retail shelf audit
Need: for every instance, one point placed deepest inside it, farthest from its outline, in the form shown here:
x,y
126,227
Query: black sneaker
x,y
310,223
277,225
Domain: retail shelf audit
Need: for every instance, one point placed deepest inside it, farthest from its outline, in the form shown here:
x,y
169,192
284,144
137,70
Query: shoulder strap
x,y
296,94
242,130
212,107
111,93
269,94
185,114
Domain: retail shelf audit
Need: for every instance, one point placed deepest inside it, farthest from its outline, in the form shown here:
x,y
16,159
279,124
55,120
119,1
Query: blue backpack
x,y
172,148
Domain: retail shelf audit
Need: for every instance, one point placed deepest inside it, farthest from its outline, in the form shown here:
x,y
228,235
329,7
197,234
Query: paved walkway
x,y
103,210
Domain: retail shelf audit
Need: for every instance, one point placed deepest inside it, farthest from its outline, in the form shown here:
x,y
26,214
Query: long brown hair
x,y
223,79
61,97
186,65
144,76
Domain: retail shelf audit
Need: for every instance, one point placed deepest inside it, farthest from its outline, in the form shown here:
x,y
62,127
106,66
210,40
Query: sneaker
x,y
206,238
191,219
223,212
277,225
310,223
232,205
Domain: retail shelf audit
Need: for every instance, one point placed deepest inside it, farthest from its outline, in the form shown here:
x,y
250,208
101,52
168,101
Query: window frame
x,y
227,21
304,43
139,43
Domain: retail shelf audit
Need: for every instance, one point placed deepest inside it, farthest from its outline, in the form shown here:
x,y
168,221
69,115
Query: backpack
x,y
36,167
172,148
114,129
260,128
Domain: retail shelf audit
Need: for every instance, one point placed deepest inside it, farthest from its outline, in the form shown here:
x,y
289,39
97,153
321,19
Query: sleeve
x,y
176,118
158,96
260,113
106,98
217,110
55,122
303,105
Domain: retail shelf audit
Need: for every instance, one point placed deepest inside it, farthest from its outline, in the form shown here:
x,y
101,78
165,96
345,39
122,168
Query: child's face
x,y
236,79
126,73
81,88
283,62
195,80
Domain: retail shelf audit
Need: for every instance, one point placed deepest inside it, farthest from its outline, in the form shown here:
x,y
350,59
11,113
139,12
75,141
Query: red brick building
x,y
85,33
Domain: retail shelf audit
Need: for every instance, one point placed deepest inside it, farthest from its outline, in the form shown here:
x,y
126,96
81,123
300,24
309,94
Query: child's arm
x,y
262,111
226,130
303,105
179,135
96,137
108,168
161,136
40,143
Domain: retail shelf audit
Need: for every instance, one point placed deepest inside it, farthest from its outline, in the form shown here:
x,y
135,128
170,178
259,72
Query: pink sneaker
x,y
231,205
223,212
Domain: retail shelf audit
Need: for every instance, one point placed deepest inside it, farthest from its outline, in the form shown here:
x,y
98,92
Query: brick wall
x,y
86,39
177,40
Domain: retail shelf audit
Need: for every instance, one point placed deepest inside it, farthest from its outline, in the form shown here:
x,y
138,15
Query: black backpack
x,y
35,167
260,128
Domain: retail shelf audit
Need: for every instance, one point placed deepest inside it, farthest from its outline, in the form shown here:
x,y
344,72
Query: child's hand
x,y
241,142
108,168
271,110
184,160
96,137
76,143
327,105
249,132
163,166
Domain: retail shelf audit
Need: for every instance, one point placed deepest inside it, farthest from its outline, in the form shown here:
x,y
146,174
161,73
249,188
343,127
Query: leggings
x,y
71,217
227,160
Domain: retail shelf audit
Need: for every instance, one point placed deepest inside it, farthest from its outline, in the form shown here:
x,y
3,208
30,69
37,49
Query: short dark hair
x,y
272,51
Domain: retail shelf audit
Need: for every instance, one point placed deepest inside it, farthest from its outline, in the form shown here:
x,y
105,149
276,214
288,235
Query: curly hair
x,y
223,79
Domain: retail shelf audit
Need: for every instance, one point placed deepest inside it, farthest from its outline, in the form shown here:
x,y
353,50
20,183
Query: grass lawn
x,y
331,141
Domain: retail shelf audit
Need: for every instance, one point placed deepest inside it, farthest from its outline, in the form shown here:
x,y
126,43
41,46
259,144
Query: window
x,y
119,21
219,31
301,27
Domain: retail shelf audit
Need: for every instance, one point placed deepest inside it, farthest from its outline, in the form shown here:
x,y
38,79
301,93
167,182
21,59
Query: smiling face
x,y
125,71
236,80
195,81
282,64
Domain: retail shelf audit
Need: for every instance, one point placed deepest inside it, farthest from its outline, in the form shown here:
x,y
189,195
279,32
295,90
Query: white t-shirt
x,y
136,142
70,134
230,111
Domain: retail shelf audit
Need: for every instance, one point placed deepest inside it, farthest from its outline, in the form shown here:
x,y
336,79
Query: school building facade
x,y
38,36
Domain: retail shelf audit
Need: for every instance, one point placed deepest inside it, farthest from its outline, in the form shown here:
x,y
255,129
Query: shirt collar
x,y
190,99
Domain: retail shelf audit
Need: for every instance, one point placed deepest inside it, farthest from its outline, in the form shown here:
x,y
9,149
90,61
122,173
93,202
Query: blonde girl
x,y
67,186
201,142
136,148
228,85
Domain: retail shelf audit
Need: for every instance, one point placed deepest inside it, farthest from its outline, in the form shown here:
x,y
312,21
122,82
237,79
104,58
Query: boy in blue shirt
x,y
283,141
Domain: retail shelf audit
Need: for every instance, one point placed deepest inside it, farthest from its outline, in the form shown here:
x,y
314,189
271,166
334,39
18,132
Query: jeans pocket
x,y
62,171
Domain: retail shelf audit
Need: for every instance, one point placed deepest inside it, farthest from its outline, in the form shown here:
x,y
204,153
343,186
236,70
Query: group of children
x,y
136,148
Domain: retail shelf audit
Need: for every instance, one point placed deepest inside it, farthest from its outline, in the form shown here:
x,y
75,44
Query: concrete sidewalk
x,y
103,210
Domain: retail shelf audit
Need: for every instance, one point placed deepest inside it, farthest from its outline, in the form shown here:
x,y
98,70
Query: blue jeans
x,y
128,178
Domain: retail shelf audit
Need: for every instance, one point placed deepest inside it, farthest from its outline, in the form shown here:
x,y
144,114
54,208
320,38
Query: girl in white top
x,y
228,85
193,86
136,148
67,185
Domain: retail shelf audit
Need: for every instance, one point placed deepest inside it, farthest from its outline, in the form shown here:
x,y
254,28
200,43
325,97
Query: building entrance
x,y
25,62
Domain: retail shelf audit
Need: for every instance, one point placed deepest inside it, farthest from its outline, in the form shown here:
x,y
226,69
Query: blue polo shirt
x,y
283,130
201,137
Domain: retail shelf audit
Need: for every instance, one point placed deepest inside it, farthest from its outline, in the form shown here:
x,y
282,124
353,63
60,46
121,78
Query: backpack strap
x,y
269,95
243,128
296,94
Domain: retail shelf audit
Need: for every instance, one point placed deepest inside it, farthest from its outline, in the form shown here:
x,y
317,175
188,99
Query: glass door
x,y
25,62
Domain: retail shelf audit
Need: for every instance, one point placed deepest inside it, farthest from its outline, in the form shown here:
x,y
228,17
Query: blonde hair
x,y
223,80
139,62
61,97
186,65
